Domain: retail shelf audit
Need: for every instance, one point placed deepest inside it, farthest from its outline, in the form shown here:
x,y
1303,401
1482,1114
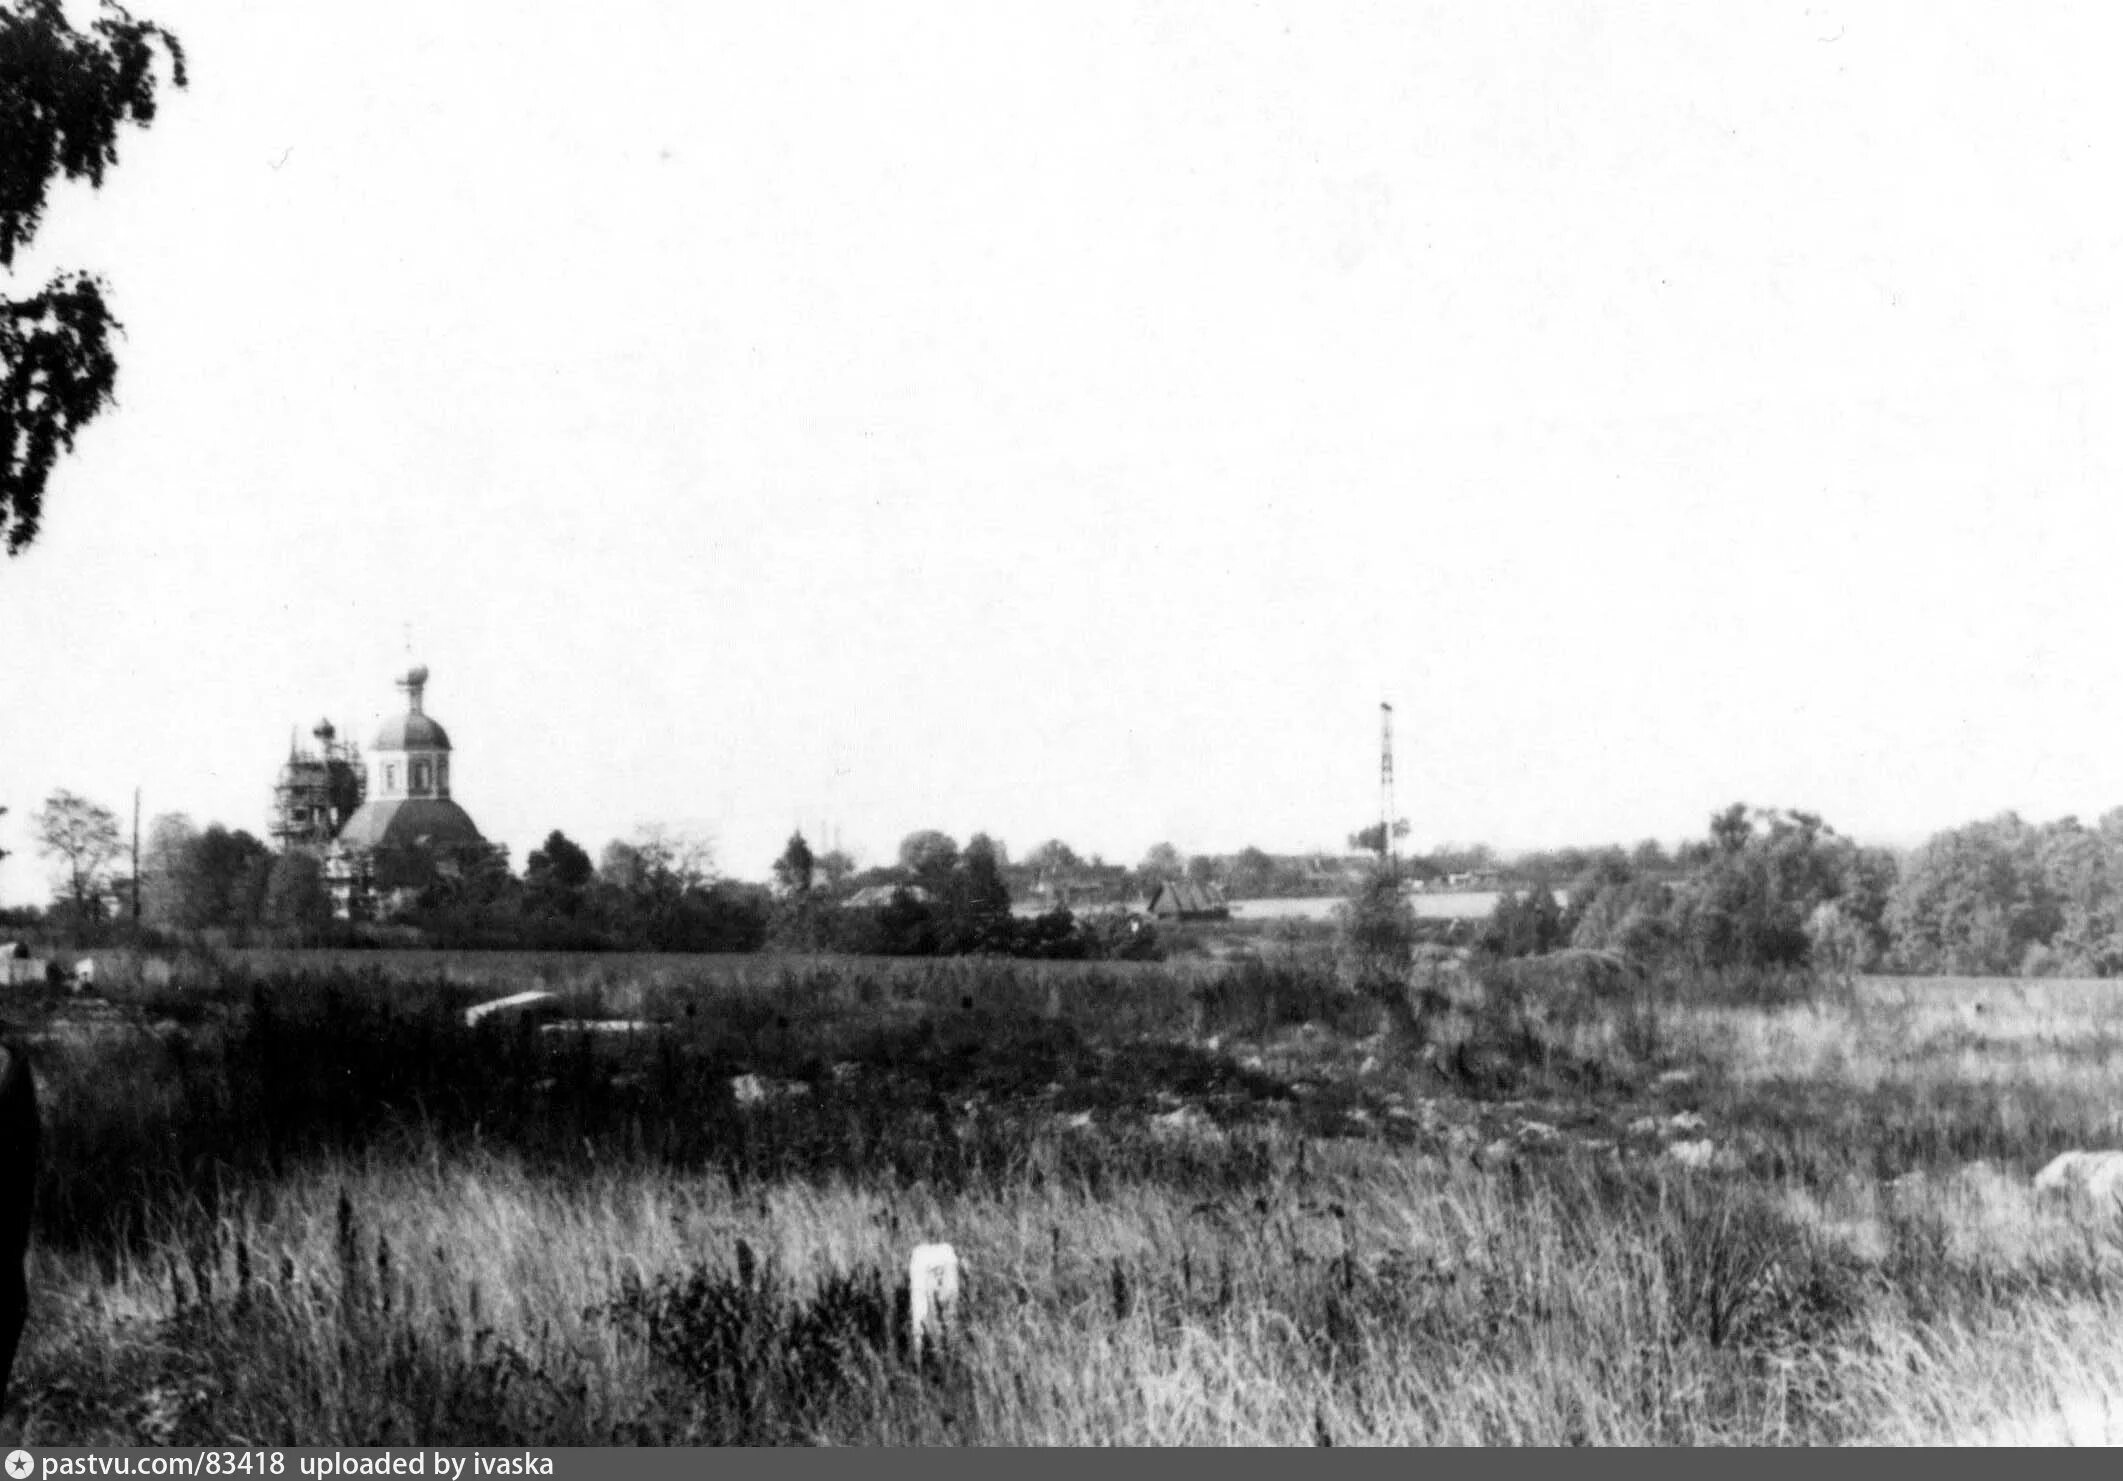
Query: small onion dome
x,y
413,730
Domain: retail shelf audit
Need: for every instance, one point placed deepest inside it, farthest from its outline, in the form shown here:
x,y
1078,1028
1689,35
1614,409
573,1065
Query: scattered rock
x,y
1675,1080
1537,1131
1693,1154
1369,1066
753,1090
1185,1124
2094,1175
514,1002
1685,1121
1645,1126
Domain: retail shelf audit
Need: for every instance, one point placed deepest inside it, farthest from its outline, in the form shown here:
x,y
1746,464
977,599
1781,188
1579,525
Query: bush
x,y
1377,933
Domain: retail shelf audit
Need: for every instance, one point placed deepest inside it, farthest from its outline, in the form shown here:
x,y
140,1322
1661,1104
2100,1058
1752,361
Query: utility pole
x,y
1389,853
136,859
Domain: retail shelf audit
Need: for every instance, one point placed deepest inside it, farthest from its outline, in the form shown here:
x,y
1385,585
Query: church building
x,y
405,831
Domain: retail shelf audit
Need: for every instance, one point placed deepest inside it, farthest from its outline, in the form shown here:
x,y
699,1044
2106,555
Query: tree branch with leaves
x,y
64,96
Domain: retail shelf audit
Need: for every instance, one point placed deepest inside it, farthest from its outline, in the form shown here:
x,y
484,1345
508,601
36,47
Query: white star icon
x,y
20,1464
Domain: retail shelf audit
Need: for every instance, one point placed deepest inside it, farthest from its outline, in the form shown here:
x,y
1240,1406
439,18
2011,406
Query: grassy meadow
x,y
295,1199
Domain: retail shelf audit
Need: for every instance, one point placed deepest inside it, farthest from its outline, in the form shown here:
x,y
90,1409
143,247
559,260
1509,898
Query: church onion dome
x,y
413,730
409,822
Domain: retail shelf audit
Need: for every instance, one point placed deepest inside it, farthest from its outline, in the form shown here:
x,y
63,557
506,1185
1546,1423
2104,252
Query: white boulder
x,y
1693,1154
2093,1175
511,1003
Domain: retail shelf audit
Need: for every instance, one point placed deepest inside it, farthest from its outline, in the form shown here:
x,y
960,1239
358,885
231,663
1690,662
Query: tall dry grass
x,y
501,1237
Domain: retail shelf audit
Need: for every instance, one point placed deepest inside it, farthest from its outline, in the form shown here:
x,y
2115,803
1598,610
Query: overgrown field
x,y
300,1201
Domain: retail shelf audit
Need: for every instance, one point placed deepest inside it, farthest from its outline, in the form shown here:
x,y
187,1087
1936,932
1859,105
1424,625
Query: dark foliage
x,y
64,96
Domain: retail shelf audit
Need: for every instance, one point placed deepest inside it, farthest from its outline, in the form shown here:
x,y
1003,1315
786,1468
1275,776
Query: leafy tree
x,y
1054,859
906,926
1765,888
800,920
1459,858
1252,873
1649,857
674,858
978,908
556,876
1525,925
653,886
64,95
1377,928
657,863
835,867
170,841
620,867
1161,863
1977,899
928,855
84,839
296,899
1753,887
986,894
1372,839
560,863
222,879
797,868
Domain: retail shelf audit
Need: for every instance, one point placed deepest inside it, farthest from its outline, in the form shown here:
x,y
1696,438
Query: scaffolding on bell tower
x,y
318,790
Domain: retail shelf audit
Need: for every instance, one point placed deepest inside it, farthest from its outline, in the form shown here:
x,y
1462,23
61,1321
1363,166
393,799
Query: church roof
x,y
409,821
412,731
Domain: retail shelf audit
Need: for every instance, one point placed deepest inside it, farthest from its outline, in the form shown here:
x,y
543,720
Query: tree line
x,y
659,890
1781,888
1764,887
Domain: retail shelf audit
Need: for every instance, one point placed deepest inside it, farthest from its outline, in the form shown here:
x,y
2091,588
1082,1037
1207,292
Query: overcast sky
x,y
1073,420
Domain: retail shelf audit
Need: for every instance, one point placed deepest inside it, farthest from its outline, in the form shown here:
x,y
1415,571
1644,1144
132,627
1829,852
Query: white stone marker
x,y
932,1290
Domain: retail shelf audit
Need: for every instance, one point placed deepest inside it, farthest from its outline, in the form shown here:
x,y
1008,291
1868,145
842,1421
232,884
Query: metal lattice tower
x,y
1389,854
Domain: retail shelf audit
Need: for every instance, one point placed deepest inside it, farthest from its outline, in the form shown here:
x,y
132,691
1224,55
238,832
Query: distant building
x,y
1184,900
383,825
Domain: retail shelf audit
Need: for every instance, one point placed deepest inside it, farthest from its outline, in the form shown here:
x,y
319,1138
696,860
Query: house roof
x,y
1188,897
871,896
